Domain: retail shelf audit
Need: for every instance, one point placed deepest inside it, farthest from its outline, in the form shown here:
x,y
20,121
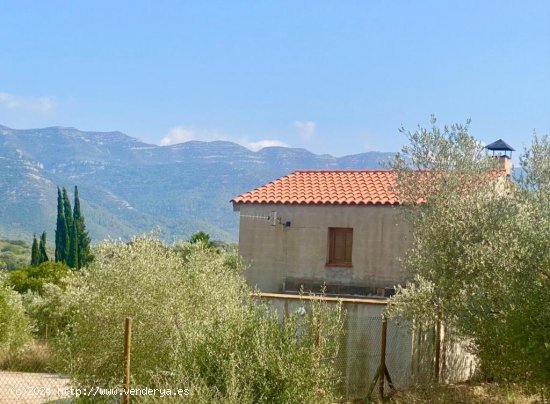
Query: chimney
x,y
503,152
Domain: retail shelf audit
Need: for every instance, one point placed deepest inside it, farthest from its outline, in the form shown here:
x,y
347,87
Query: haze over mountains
x,y
128,187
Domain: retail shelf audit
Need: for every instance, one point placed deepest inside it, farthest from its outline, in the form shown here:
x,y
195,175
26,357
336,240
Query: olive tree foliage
x,y
51,310
480,255
15,329
196,326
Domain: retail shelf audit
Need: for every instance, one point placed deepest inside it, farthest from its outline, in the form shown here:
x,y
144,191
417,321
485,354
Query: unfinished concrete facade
x,y
287,245
280,254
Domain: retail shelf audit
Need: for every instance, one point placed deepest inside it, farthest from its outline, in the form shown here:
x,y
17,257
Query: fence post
x,y
437,349
382,357
382,371
127,350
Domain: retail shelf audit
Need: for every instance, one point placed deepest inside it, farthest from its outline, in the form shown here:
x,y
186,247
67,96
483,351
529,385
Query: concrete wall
x,y
359,354
275,253
410,354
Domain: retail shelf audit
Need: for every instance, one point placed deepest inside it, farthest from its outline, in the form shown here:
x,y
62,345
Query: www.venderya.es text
x,y
100,391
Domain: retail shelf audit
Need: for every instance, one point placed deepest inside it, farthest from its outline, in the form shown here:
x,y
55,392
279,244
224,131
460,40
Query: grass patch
x,y
17,253
14,253
475,393
35,357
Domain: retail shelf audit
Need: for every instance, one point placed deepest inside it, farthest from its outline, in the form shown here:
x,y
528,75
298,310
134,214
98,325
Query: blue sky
x,y
336,77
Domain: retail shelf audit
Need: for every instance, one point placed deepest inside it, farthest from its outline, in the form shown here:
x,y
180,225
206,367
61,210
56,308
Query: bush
x,y
35,356
51,311
33,278
201,237
15,329
196,326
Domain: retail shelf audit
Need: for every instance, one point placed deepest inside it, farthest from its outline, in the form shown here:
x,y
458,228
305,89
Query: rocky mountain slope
x,y
128,187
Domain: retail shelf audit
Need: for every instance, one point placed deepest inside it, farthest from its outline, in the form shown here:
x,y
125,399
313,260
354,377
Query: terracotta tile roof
x,y
340,187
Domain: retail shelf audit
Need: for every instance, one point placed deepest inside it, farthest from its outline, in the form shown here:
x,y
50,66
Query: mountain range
x,y
128,187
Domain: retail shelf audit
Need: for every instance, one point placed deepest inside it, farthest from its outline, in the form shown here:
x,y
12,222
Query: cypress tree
x,y
72,255
83,239
61,232
84,253
35,253
67,209
77,212
42,249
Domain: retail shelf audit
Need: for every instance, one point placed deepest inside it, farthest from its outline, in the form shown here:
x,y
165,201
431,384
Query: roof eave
x,y
236,204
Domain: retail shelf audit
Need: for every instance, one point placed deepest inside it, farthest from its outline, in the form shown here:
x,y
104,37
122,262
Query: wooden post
x,y
46,334
127,350
382,357
419,354
437,349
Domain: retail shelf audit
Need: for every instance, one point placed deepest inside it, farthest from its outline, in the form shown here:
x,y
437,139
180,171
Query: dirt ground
x,y
470,393
32,388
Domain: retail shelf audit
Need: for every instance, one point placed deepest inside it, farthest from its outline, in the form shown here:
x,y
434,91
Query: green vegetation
x,y
82,238
35,356
190,305
38,252
14,254
72,242
43,253
195,312
35,257
33,278
480,258
201,237
61,233
15,330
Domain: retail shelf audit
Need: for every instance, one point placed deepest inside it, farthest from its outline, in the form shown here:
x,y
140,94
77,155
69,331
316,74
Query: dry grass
x,y
35,357
475,393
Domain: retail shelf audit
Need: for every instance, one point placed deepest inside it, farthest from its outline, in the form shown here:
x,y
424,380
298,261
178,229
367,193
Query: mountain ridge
x,y
128,186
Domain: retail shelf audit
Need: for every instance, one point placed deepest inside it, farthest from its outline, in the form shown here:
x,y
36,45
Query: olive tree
x,y
196,326
479,259
15,329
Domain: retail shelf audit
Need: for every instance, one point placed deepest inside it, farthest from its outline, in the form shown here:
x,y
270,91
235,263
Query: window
x,y
339,249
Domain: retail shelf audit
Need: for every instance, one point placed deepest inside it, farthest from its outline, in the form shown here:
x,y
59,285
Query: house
x,y
340,229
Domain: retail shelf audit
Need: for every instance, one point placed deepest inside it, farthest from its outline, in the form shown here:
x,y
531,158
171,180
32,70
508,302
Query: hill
x,y
14,254
128,187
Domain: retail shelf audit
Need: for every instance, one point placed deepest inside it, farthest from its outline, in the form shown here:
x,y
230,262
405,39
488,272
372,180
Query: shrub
x,y
33,278
196,326
35,356
201,237
15,329
51,311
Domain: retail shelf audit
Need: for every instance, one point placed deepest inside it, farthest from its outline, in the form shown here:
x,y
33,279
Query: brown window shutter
x,y
340,246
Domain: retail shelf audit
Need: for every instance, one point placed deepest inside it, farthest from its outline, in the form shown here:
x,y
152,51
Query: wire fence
x,y
375,357
360,357
29,378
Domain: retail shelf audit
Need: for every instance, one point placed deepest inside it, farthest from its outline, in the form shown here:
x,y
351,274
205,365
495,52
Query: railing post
x,y
127,350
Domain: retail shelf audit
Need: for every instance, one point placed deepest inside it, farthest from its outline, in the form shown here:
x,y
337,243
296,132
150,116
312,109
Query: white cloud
x,y
32,104
306,129
255,146
181,134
